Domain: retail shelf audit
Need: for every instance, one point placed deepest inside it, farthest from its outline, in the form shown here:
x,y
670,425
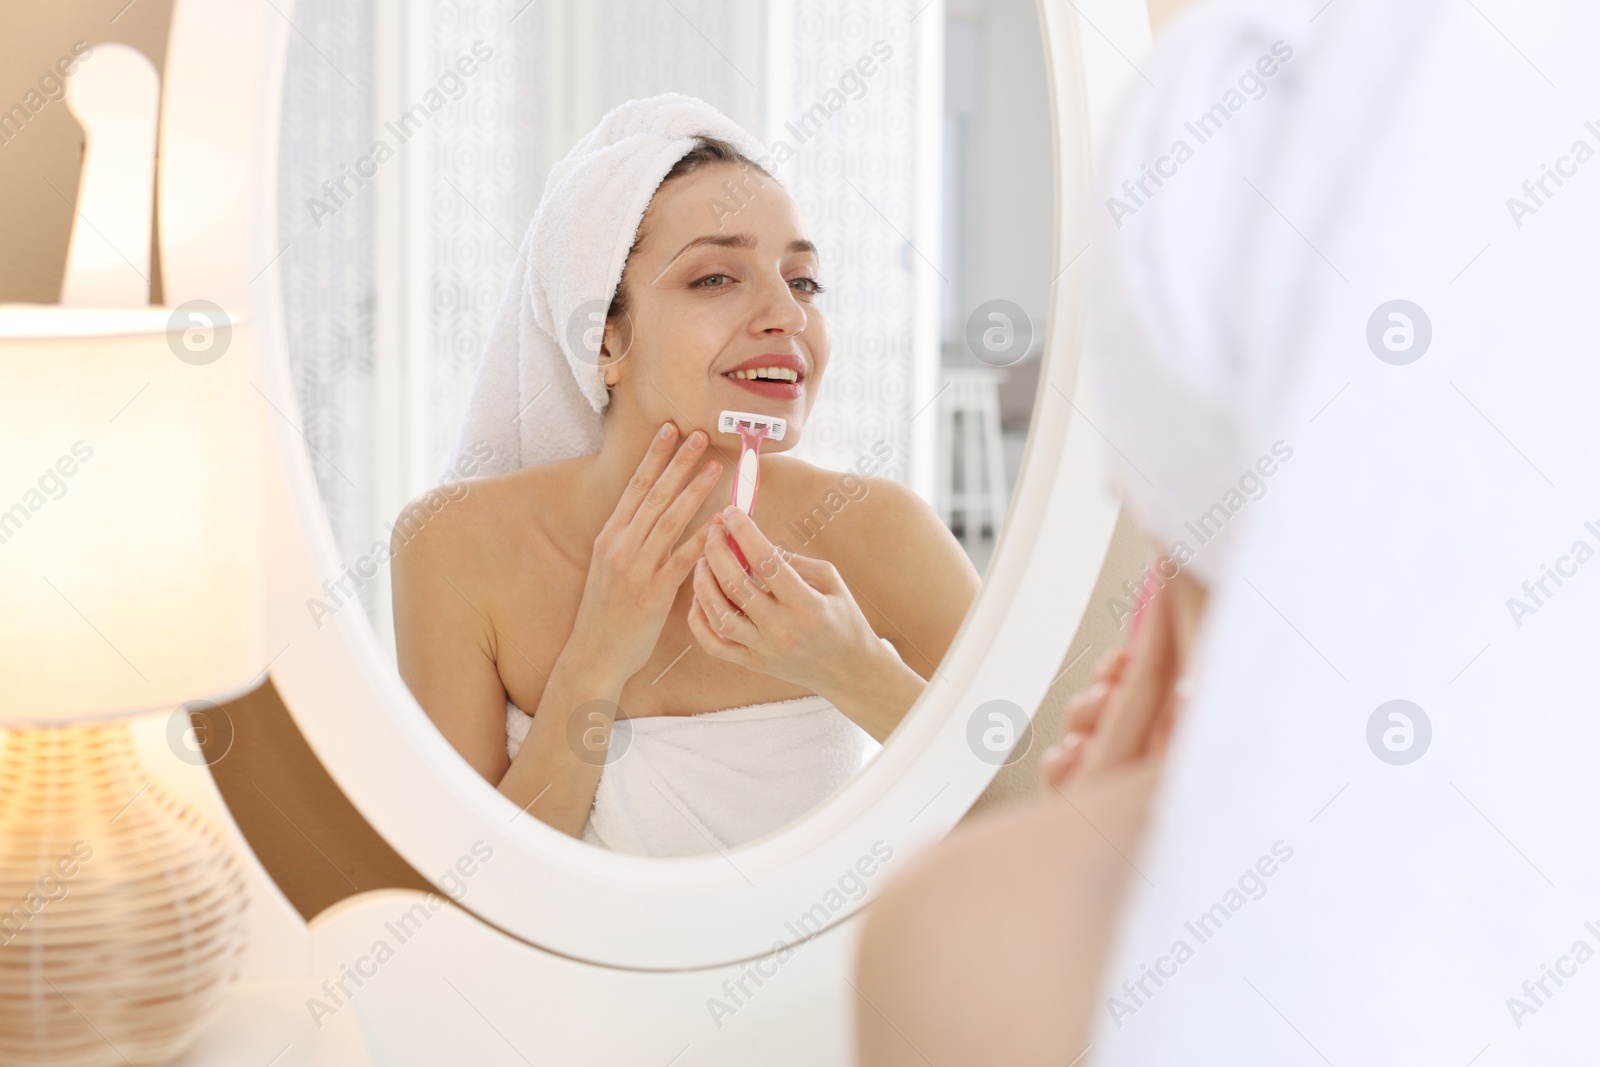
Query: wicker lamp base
x,y
122,910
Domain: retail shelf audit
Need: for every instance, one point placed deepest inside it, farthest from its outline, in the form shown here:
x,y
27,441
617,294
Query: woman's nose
x,y
780,309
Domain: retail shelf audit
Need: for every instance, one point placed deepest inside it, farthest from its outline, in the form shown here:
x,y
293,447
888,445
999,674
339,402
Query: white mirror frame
x,y
224,78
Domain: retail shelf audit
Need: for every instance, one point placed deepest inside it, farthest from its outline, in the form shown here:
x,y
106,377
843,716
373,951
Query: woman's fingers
x,y
744,590
712,643
660,495
767,563
722,616
1084,710
1080,721
656,458
676,517
1128,710
1111,665
1061,759
1142,694
672,480
819,574
680,564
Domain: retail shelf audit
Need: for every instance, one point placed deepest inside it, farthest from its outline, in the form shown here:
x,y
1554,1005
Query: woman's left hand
x,y
790,616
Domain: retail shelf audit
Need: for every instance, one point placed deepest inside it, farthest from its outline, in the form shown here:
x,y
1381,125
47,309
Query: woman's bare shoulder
x,y
807,485
476,519
851,512
908,574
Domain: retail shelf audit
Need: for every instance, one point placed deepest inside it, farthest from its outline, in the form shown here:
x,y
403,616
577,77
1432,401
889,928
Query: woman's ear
x,y
616,341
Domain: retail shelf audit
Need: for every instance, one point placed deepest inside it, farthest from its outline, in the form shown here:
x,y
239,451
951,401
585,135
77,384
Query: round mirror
x,y
716,790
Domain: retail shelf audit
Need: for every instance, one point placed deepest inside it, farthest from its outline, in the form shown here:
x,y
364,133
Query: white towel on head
x,y
1217,337
539,393
1305,895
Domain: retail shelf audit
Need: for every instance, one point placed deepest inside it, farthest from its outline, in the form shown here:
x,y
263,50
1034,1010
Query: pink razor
x,y
752,430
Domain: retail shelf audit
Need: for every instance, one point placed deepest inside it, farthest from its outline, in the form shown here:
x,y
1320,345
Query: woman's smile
x,y
777,375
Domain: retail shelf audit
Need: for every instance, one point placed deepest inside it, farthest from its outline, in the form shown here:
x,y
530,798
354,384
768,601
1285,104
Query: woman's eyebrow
x,y
732,240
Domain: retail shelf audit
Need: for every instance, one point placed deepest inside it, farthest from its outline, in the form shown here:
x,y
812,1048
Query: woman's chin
x,y
769,447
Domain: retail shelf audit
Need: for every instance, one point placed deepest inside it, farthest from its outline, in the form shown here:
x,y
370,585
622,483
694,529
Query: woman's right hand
x,y
1126,715
1082,716
634,572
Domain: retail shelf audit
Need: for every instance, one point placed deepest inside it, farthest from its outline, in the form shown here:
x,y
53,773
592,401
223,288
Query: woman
x,y
561,599
1372,840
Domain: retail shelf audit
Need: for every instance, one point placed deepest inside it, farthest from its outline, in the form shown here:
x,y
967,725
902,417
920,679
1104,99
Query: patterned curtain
x,y
326,268
788,70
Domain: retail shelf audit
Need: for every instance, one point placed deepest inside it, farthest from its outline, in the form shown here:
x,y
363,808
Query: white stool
x,y
970,444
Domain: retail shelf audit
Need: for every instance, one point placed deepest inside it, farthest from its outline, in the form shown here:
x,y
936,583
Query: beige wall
x,y
39,164
308,836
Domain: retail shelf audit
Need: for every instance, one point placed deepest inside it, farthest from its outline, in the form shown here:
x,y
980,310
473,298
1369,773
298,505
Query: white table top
x,y
265,1023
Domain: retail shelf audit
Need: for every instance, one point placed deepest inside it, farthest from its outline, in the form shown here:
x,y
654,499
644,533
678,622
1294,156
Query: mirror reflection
x,y
665,369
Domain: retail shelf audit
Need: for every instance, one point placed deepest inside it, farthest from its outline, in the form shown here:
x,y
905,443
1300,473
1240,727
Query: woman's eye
x,y
815,286
701,283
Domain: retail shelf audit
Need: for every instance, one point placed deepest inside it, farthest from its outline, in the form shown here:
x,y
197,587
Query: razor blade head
x,y
728,422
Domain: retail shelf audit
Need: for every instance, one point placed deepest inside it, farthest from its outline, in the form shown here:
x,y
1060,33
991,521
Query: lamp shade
x,y
130,563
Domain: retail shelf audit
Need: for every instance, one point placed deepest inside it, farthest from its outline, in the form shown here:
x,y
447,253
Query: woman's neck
x,y
627,437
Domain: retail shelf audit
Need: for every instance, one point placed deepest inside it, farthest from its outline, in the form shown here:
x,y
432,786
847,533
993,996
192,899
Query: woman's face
x,y
723,283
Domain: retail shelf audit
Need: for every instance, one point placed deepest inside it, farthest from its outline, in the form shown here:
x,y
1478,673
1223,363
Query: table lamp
x,y
130,584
